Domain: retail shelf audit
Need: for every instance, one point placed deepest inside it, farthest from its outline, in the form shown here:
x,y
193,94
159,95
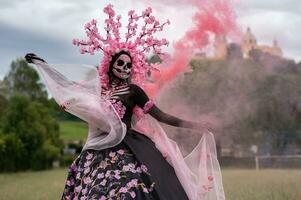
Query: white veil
x,y
77,89
199,171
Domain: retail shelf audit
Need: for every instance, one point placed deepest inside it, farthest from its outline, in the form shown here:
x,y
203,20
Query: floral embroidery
x,y
208,186
119,107
98,179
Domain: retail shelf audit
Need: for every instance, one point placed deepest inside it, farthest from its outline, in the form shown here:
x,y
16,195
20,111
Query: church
x,y
248,42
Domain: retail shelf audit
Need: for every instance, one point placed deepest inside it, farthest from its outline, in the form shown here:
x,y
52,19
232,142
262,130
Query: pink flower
x,y
83,50
112,154
147,12
117,176
94,22
132,183
131,12
210,178
87,163
112,41
108,173
87,25
119,107
123,190
103,182
138,112
73,167
126,168
70,183
78,188
148,105
120,151
133,194
84,191
112,192
75,41
138,170
101,175
87,180
143,168
109,10
135,17
87,170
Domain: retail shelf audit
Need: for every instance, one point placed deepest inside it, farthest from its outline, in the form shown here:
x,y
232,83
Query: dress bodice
x,y
126,99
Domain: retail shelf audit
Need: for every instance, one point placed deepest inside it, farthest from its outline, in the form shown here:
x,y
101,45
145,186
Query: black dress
x,y
133,169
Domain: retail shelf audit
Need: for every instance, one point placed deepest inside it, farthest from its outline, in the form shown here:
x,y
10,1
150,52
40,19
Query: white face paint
x,y
122,67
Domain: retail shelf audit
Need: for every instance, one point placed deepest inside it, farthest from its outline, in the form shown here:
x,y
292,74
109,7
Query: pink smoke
x,y
215,17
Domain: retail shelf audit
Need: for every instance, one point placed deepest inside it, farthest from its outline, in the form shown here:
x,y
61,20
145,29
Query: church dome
x,y
249,38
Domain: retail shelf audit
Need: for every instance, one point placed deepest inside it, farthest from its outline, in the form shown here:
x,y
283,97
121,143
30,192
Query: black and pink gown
x,y
134,169
121,161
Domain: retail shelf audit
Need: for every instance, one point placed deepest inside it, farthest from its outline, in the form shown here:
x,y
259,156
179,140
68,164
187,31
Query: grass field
x,y
70,130
238,184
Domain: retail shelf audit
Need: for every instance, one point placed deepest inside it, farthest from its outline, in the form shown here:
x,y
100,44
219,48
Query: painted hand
x,y
31,56
204,126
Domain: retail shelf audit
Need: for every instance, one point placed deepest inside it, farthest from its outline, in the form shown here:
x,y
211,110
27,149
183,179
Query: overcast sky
x,y
47,28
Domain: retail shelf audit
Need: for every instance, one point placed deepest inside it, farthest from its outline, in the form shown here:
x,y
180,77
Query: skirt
x,y
134,169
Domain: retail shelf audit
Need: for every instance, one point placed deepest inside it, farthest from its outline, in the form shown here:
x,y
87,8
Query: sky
x,y
47,29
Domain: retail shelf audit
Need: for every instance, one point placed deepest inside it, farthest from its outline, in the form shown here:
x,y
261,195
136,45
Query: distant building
x,y
220,47
249,42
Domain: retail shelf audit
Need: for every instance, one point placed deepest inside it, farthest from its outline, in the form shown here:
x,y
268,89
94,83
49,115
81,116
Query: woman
x,y
119,160
134,169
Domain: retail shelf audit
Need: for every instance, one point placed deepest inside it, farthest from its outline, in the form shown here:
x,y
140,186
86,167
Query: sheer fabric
x,y
199,172
76,88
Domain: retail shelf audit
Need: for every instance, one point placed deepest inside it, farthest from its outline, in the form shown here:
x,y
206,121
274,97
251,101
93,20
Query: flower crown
x,y
135,44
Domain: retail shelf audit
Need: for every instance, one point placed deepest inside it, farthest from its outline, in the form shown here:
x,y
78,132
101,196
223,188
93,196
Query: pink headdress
x,y
135,44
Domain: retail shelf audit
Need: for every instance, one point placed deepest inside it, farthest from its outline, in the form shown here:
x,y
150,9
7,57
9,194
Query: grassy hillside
x,y
70,130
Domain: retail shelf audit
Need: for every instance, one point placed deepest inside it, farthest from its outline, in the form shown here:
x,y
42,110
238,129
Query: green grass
x,y
238,184
44,185
70,130
262,185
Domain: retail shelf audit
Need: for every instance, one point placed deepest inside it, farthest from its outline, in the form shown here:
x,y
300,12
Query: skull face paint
x,y
122,67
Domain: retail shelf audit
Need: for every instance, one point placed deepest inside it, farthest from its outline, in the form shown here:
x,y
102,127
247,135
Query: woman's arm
x,y
148,106
161,116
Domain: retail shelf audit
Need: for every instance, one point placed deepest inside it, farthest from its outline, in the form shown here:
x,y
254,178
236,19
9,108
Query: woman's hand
x,y
31,56
204,126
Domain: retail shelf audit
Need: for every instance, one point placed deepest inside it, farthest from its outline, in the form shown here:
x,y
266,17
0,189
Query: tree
x,y
246,101
3,107
34,134
58,113
277,111
23,79
234,51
